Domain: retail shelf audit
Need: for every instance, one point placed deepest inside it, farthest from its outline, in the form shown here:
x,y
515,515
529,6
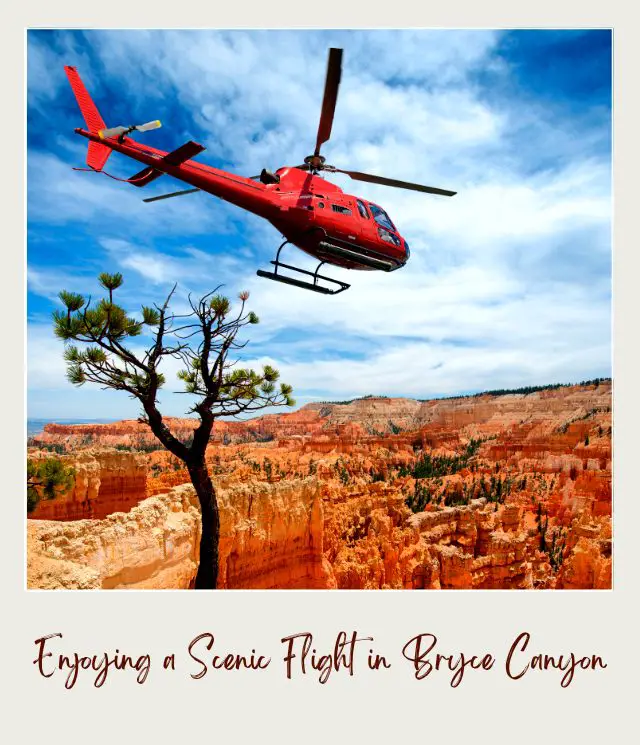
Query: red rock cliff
x,y
271,537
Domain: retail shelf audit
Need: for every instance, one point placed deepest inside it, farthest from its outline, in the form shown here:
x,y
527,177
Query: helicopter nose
x,y
406,250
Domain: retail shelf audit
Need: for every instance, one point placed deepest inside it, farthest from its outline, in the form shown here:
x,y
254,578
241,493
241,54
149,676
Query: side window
x,y
362,210
340,209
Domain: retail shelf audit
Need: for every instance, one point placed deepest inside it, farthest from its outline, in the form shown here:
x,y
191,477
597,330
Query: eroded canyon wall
x,y
271,537
536,414
372,541
328,502
375,542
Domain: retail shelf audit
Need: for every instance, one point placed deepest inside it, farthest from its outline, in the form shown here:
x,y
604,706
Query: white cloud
x,y
58,195
424,370
187,265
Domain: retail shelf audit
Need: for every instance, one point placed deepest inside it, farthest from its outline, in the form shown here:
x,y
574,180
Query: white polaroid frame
x,y
387,705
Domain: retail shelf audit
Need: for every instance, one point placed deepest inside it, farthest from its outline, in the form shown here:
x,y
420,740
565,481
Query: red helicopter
x,y
310,212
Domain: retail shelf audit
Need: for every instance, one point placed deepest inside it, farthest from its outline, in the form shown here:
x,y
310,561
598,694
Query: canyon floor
x,y
493,491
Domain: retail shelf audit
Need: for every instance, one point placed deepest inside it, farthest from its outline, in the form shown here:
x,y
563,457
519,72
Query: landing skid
x,y
313,286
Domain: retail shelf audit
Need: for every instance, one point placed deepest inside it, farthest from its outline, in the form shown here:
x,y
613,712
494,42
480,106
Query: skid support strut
x,y
313,286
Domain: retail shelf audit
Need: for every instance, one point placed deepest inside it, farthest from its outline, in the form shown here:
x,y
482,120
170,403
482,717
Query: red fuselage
x,y
308,210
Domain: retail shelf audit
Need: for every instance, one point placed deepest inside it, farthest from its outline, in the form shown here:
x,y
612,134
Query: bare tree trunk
x,y
207,576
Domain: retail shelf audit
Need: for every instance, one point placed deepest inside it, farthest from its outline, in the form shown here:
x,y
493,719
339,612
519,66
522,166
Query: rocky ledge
x,y
271,537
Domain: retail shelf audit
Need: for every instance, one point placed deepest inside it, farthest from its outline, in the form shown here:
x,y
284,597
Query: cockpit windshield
x,y
381,217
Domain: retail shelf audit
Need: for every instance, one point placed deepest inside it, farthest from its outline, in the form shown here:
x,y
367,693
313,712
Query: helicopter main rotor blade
x,y
331,85
173,194
370,178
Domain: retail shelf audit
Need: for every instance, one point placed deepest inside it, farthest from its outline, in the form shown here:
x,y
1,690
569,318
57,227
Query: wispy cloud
x,y
509,281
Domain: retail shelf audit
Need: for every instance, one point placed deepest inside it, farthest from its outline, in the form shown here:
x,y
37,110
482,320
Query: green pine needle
x,y
71,300
111,281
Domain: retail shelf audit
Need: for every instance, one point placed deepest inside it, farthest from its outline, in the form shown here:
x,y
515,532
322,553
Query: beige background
x,y
370,707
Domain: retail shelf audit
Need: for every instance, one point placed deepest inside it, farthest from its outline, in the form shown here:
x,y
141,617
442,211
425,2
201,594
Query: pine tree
x,y
46,479
98,350
343,473
268,469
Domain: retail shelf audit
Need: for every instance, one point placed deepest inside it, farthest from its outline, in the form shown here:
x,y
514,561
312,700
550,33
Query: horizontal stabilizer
x,y
184,152
145,176
174,158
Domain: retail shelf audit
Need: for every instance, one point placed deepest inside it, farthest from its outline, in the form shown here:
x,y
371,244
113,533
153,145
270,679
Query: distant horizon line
x,y
495,392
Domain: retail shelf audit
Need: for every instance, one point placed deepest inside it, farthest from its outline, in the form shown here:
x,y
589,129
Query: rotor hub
x,y
315,162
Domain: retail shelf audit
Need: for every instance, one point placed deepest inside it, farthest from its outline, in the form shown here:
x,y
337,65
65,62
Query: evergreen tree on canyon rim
x,y
201,339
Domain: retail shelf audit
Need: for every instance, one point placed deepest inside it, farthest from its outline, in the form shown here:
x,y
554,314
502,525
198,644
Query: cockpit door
x,y
365,220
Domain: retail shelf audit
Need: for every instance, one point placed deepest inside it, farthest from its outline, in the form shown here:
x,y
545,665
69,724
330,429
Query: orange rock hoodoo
x,y
329,496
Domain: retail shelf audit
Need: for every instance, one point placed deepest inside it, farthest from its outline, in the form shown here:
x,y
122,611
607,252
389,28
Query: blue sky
x,y
509,282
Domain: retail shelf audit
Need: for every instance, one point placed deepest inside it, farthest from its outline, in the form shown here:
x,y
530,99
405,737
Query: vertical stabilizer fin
x,y
97,154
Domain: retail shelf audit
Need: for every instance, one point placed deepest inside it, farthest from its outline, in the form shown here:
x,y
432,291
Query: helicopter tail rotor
x,y
123,131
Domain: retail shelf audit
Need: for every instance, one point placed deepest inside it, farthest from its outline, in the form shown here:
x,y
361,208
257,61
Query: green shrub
x,y
46,479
